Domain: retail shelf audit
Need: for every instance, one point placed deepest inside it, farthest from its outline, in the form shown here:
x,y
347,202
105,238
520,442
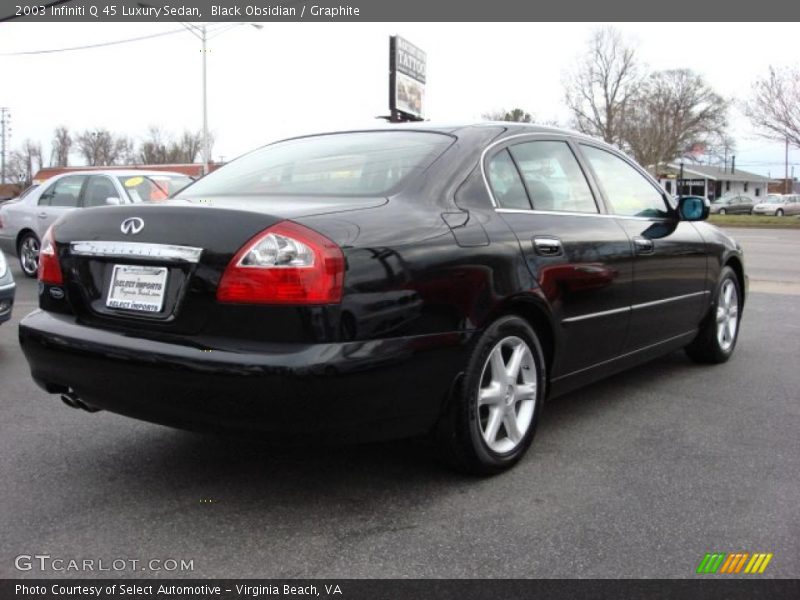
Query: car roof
x,y
119,172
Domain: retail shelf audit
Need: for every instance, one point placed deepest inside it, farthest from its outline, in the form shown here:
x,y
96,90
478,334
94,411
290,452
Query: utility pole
x,y
786,172
733,164
204,38
5,132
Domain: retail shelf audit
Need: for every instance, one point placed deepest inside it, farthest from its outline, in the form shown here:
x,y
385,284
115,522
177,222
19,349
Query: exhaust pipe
x,y
71,399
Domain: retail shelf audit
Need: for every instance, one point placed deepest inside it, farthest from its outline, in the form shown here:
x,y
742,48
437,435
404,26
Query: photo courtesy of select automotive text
x,y
380,300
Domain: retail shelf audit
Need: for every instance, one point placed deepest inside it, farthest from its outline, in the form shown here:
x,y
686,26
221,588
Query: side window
x,y
65,192
553,177
506,184
98,190
628,191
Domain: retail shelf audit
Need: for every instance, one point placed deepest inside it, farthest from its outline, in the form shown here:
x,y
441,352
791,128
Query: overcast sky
x,y
291,78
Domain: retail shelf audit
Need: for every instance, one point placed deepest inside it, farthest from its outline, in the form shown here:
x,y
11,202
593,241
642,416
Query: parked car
x,y
733,205
318,286
23,222
7,288
778,205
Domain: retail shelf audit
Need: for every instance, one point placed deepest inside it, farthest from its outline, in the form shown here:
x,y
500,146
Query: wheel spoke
x,y
510,423
491,394
493,424
498,366
721,315
526,391
515,362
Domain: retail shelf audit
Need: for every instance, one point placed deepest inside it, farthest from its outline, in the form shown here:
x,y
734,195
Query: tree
x,y
516,114
773,107
161,148
24,163
100,147
673,113
598,91
61,146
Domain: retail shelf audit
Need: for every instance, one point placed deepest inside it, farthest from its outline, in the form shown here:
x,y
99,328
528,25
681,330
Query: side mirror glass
x,y
693,208
113,201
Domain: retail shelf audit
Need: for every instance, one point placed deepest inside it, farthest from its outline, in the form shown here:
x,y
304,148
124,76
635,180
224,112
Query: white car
x,y
778,205
25,220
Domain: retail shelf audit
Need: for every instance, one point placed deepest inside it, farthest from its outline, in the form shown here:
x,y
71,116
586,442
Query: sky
x,y
293,78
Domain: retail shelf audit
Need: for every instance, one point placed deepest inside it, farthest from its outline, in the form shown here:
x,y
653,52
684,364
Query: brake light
x,y
49,269
285,264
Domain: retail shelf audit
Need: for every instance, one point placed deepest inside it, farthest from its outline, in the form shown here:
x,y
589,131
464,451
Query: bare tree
x,y
674,113
61,147
599,89
515,114
24,163
100,147
773,107
162,148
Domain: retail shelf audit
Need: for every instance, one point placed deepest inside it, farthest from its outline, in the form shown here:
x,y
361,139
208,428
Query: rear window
x,y
150,188
347,164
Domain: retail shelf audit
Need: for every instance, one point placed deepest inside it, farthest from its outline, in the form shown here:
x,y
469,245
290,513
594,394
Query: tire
x,y
719,331
491,418
751,212
722,211
28,253
779,212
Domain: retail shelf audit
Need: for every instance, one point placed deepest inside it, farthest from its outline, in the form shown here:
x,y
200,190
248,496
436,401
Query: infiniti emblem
x,y
132,226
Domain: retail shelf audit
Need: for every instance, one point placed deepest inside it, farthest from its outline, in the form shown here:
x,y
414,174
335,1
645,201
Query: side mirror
x,y
113,201
693,208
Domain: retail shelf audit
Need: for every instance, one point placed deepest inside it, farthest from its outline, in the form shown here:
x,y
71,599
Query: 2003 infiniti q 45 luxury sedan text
x,y
383,283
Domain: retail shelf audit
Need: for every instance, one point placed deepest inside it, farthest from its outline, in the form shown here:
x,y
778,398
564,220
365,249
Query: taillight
x,y
49,269
285,264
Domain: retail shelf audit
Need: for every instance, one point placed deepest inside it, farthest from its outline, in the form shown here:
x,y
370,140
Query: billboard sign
x,y
407,65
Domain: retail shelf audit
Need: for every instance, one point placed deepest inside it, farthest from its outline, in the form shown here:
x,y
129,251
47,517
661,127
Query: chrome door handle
x,y
548,246
643,245
42,215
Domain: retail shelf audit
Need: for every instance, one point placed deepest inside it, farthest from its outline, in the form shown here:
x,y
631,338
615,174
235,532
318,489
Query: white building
x,y
711,182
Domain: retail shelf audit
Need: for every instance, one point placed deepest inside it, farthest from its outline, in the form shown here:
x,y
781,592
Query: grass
x,y
755,221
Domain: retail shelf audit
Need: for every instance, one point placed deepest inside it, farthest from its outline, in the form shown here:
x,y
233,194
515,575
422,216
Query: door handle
x,y
42,215
643,245
548,246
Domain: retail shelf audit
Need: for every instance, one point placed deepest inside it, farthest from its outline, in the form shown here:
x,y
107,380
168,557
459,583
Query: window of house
x,y
746,185
727,186
758,192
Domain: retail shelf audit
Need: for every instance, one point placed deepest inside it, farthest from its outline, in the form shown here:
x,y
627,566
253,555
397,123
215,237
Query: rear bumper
x,y
356,390
7,292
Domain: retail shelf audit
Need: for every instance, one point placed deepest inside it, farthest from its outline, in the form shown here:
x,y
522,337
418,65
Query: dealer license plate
x,y
137,288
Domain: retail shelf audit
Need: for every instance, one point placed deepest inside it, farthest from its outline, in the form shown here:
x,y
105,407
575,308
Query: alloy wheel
x,y
727,315
29,255
507,394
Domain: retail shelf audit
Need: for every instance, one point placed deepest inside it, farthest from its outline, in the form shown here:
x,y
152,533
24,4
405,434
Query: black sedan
x,y
375,284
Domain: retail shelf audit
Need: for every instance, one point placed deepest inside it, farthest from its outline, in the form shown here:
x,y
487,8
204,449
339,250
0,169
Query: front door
x,y
669,272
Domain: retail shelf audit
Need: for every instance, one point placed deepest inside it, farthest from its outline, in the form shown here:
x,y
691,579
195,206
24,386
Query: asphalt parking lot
x,y
637,476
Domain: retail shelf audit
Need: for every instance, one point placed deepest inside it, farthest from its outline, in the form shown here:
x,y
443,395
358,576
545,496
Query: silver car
x,y
25,220
738,204
7,288
779,205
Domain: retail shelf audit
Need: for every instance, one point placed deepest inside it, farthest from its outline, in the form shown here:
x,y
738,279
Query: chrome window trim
x,y
141,250
579,214
614,311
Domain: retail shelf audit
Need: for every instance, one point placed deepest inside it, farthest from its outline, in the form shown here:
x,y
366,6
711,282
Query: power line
x,y
90,46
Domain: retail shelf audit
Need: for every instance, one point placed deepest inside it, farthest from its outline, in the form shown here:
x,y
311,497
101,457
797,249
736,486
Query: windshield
x,y
150,188
773,199
345,164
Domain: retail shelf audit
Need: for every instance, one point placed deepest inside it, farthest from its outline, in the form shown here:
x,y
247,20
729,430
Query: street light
x,y
201,33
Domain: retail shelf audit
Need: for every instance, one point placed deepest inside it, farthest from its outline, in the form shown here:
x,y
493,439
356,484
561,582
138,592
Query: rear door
x,y
581,258
61,197
669,273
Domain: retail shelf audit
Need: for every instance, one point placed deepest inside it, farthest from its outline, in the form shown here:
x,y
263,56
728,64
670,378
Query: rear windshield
x,y
149,188
346,164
